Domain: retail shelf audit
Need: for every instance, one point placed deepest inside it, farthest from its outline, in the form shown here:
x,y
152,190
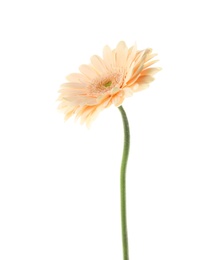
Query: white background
x,y
59,182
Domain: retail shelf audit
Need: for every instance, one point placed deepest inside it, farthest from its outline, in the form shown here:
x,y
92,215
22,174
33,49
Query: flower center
x,y
108,84
105,83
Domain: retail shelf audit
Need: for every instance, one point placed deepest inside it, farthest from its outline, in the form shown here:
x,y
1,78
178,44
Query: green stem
x,y
123,183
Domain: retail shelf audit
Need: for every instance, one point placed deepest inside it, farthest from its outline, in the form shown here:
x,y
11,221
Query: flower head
x,y
106,81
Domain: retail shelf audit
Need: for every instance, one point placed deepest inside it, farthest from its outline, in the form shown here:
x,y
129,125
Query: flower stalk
x,y
123,184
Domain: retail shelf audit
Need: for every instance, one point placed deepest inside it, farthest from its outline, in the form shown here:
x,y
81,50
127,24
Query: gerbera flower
x,y
106,81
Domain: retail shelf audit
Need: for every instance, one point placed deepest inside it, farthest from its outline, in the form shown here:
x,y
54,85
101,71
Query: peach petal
x,y
128,92
150,71
108,56
145,79
73,85
118,100
149,63
150,56
88,71
98,63
76,77
121,53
